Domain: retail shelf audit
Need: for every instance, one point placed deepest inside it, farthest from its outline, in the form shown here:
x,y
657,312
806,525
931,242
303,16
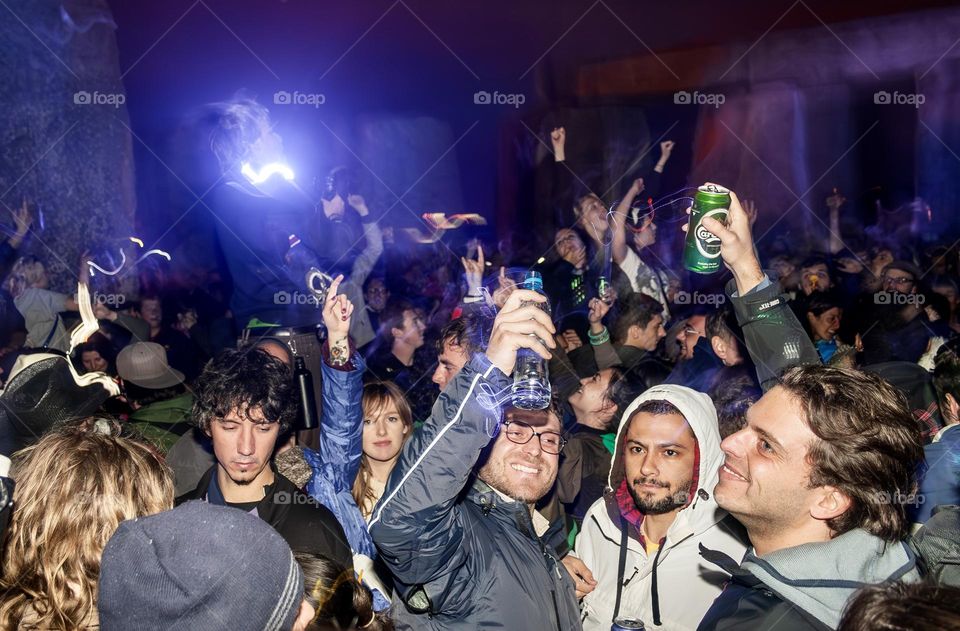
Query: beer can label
x,y
708,244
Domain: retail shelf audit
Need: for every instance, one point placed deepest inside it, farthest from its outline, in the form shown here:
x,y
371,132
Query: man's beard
x,y
676,499
496,475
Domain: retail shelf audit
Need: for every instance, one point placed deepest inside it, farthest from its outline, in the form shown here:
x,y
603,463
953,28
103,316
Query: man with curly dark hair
x,y
246,400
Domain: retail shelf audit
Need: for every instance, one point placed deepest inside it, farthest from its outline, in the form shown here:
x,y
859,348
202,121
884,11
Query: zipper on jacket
x,y
550,561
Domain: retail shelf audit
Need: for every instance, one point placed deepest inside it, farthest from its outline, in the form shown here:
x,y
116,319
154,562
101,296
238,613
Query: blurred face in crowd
x,y
449,363
659,453
243,447
646,234
783,267
590,399
649,336
412,332
383,433
825,325
815,278
525,471
882,258
93,362
764,479
570,247
692,331
899,280
376,295
593,214
151,312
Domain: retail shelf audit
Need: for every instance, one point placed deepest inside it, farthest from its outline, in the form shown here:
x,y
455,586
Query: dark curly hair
x,y
245,380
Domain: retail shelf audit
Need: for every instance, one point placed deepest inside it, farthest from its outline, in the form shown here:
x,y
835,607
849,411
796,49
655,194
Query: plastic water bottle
x,y
307,413
531,378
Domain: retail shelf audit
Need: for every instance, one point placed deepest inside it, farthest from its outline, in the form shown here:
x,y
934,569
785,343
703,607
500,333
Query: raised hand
x,y
505,287
520,325
358,204
666,148
474,271
186,321
736,245
558,137
103,312
571,341
835,200
337,310
22,218
750,207
598,309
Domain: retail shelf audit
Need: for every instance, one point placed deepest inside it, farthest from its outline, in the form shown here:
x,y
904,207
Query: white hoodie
x,y
686,584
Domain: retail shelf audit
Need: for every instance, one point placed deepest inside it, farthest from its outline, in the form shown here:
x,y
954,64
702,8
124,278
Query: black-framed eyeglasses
x,y
901,280
521,434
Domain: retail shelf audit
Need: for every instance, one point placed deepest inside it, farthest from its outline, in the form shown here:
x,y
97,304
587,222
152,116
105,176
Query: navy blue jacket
x,y
460,553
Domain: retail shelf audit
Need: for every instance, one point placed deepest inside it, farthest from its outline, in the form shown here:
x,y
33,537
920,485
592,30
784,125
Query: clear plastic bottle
x,y
531,377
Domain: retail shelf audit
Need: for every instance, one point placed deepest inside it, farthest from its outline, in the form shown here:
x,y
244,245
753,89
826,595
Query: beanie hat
x,y
198,566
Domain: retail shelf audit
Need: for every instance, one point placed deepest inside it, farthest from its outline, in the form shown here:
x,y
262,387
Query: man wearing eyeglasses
x,y
456,524
899,306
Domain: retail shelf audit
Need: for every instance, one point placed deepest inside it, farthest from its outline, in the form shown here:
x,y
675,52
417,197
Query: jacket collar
x,y
503,507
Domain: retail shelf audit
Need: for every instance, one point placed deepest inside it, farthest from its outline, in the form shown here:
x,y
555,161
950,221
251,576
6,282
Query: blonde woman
x,y
387,424
73,488
39,306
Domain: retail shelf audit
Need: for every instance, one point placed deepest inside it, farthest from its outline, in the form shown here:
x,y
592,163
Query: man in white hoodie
x,y
644,534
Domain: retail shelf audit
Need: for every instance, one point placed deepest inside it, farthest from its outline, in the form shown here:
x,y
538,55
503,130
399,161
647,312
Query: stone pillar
x,y
65,142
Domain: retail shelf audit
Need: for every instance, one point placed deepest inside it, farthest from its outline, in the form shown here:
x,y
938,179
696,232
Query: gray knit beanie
x,y
198,566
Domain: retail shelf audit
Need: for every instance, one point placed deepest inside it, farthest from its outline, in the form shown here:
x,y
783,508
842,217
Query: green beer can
x,y
701,251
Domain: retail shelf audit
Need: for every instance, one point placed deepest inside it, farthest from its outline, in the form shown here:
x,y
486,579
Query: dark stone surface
x,y
69,155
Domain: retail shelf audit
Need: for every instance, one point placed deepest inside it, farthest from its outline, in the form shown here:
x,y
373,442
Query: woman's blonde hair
x,y
26,272
73,488
376,396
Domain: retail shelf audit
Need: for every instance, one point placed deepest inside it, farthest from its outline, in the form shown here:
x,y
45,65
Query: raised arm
x,y
618,223
417,524
371,252
834,202
341,421
772,334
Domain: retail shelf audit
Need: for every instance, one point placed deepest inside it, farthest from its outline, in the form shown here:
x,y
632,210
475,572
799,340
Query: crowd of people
x,y
321,435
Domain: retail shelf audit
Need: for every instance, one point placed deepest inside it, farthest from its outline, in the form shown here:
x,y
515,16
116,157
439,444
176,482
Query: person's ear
x,y
304,616
719,347
953,408
634,332
396,333
831,503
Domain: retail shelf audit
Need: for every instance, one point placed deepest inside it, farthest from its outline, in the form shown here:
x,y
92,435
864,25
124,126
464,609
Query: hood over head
x,y
701,415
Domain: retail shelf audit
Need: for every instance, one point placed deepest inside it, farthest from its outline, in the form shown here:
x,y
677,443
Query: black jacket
x,y
302,522
464,557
